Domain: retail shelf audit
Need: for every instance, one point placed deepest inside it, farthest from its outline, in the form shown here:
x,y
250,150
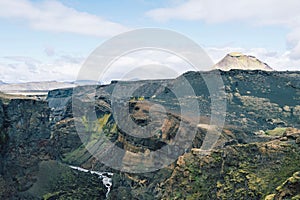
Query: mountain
x,y
34,87
1,82
85,82
257,155
42,86
240,61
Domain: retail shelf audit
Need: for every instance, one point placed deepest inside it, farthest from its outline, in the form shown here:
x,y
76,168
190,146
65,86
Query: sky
x,y
43,40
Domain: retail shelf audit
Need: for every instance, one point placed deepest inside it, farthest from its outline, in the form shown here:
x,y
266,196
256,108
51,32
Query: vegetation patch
x,y
276,132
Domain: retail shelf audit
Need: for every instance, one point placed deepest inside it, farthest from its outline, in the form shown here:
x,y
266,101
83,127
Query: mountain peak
x,y
235,54
237,60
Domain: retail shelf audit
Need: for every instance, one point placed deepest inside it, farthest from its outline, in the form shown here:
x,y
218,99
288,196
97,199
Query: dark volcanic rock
x,y
27,131
3,135
257,149
1,114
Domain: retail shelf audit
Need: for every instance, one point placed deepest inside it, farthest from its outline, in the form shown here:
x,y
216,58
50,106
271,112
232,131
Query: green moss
x,y
102,122
85,123
270,197
243,172
3,138
78,156
289,189
97,125
114,128
297,197
276,132
141,98
101,129
50,195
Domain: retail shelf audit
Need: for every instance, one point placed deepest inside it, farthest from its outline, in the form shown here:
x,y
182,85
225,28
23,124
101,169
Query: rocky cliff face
x,y
258,148
25,141
3,135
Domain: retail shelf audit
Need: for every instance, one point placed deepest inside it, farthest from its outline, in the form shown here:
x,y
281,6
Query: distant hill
x,y
1,83
240,61
86,82
33,87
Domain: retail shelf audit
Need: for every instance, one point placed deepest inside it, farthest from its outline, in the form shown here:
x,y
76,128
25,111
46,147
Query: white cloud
x,y
293,42
54,16
146,64
49,51
212,11
26,69
255,12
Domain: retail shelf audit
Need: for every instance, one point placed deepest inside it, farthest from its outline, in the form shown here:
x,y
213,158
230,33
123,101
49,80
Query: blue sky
x,y
49,40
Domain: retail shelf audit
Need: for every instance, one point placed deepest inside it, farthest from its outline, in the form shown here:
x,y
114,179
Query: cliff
x,y
257,151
